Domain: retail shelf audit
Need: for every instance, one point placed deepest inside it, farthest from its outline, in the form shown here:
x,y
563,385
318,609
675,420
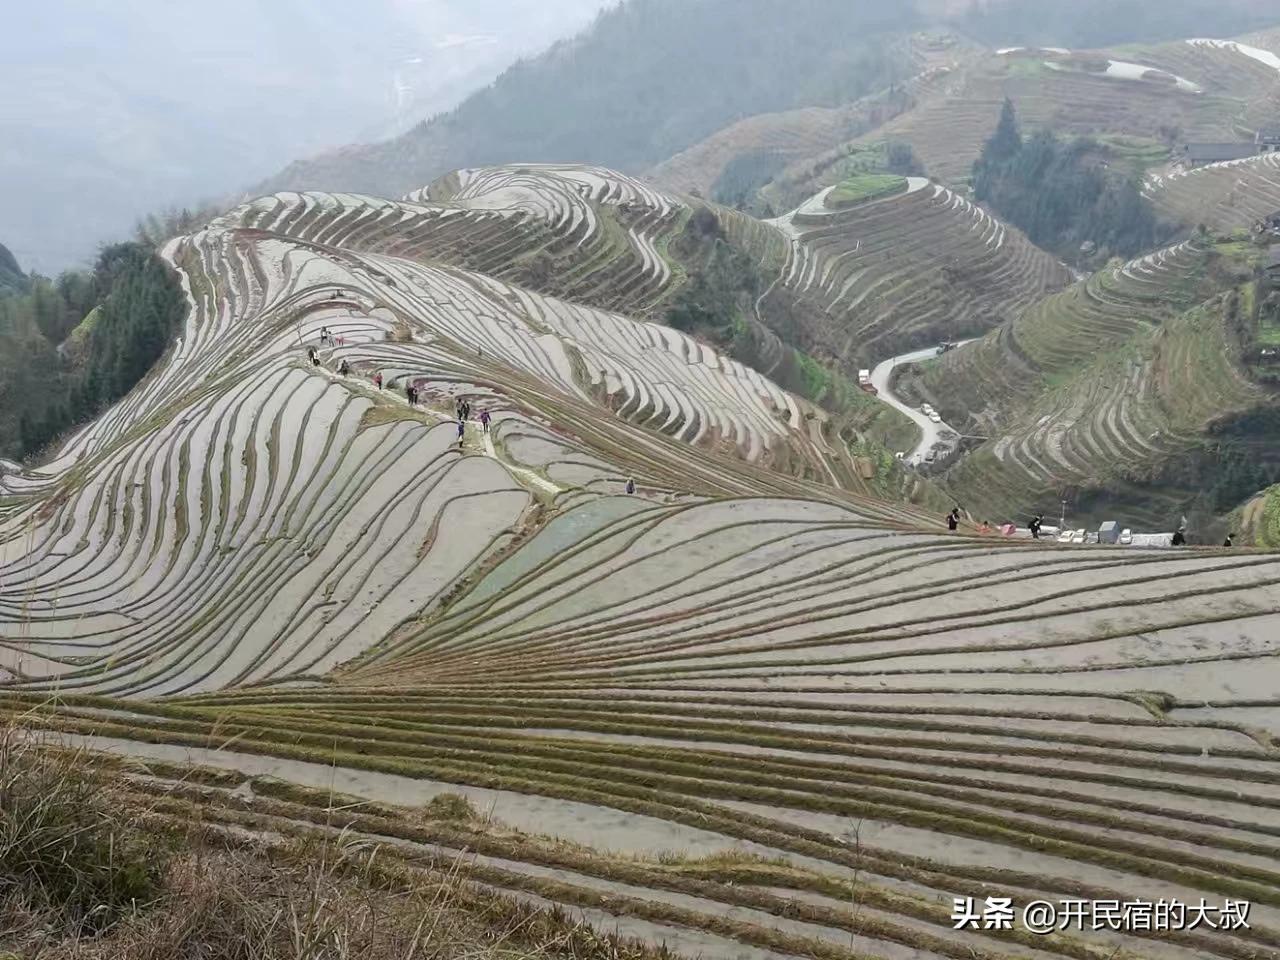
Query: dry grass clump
x,y
68,856
400,332
305,905
451,806
90,871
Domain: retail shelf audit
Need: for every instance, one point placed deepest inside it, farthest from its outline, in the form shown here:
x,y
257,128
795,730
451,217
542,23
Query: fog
x,y
112,111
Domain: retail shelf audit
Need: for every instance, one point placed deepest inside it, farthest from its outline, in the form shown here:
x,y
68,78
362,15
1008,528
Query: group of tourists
x,y
1035,524
329,339
462,406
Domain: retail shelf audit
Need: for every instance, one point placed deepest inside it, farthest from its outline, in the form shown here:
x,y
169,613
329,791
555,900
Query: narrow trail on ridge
x,y
525,476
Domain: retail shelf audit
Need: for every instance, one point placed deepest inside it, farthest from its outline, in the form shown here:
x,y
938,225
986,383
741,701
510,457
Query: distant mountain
x,y
1102,23
12,279
652,78
126,110
649,78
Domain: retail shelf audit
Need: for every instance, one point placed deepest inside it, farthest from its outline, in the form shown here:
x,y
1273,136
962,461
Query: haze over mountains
x,y
146,106
654,77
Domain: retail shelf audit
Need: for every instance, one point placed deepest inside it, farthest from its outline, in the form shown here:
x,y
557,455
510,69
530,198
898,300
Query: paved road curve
x,y
930,432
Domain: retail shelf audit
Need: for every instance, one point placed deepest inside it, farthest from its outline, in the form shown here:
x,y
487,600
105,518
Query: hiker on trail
x,y
484,420
1034,525
984,527
1178,539
410,393
631,485
1227,542
466,410
377,379
344,368
311,355
324,336
953,519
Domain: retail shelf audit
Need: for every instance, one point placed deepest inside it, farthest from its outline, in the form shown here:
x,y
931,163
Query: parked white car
x,y
935,418
1126,537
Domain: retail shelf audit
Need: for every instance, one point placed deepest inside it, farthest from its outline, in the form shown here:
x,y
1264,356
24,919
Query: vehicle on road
x,y
926,408
935,418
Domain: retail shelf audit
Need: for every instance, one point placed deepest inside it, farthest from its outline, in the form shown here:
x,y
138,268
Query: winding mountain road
x,y
930,432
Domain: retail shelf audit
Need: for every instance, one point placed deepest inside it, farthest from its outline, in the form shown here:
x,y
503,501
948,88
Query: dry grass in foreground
x,y
84,876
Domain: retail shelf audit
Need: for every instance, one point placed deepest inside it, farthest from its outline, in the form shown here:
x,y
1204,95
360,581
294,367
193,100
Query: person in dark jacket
x,y
1179,539
631,485
953,520
1034,525
1227,542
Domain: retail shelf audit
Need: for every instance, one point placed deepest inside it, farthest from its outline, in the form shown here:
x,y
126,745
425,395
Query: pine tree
x,y
1007,141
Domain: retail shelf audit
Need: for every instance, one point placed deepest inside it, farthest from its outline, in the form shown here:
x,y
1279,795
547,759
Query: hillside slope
x,y
1128,393
862,282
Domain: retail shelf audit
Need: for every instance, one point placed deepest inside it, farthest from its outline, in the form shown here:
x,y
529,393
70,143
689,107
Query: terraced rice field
x,y
781,726
746,711
1219,89
856,285
802,137
1222,196
1105,382
911,269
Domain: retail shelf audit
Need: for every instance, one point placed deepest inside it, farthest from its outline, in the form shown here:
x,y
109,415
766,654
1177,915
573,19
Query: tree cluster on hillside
x,y
740,181
1063,194
723,282
1089,24
70,347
